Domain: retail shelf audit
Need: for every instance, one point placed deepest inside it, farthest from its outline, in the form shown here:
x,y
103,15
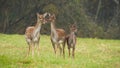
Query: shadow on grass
x,y
25,62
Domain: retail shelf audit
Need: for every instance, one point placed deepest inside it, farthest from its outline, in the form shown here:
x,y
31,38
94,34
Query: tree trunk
x,y
98,9
5,22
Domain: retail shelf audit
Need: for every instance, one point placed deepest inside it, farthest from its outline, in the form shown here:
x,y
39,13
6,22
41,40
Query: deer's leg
x,y
59,48
33,46
64,49
73,51
53,44
69,51
54,47
29,48
38,48
69,45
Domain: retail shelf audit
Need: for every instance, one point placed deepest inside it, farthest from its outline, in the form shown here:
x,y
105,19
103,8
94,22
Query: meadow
x,y
89,53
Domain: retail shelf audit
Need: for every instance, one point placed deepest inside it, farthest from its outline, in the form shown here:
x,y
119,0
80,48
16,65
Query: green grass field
x,y
90,53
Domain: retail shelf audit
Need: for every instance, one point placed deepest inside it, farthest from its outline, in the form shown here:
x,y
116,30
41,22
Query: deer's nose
x,y
44,21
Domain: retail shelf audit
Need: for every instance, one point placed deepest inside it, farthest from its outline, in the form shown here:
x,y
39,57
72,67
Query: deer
x,y
32,33
71,40
57,35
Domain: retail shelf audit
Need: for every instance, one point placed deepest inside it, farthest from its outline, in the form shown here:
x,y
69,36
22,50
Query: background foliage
x,y
94,18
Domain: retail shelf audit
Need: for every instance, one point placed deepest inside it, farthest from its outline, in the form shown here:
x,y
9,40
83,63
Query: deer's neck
x,y
37,29
72,38
38,25
72,34
53,30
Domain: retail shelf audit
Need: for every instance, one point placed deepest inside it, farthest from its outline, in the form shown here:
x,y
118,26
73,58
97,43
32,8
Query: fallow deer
x,y
71,39
57,35
32,33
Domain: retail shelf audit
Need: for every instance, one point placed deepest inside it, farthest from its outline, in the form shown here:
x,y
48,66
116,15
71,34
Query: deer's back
x,y
60,32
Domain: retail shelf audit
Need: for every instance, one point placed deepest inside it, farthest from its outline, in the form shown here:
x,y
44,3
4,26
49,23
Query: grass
x,y
90,53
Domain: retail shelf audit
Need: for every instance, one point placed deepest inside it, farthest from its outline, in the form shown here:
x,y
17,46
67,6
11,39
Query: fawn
x,y
71,39
57,35
32,33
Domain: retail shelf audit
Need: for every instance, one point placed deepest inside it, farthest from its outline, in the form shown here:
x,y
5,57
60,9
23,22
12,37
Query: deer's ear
x,y
49,14
54,16
45,14
37,14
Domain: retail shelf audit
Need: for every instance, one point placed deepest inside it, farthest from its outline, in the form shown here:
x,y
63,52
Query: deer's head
x,y
73,28
41,18
50,17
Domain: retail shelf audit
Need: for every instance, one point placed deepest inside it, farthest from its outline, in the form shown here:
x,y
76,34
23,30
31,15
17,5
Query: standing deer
x,y
71,39
57,35
32,33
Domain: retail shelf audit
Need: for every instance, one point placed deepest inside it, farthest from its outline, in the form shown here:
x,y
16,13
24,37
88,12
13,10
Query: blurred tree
x,y
94,18
51,8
